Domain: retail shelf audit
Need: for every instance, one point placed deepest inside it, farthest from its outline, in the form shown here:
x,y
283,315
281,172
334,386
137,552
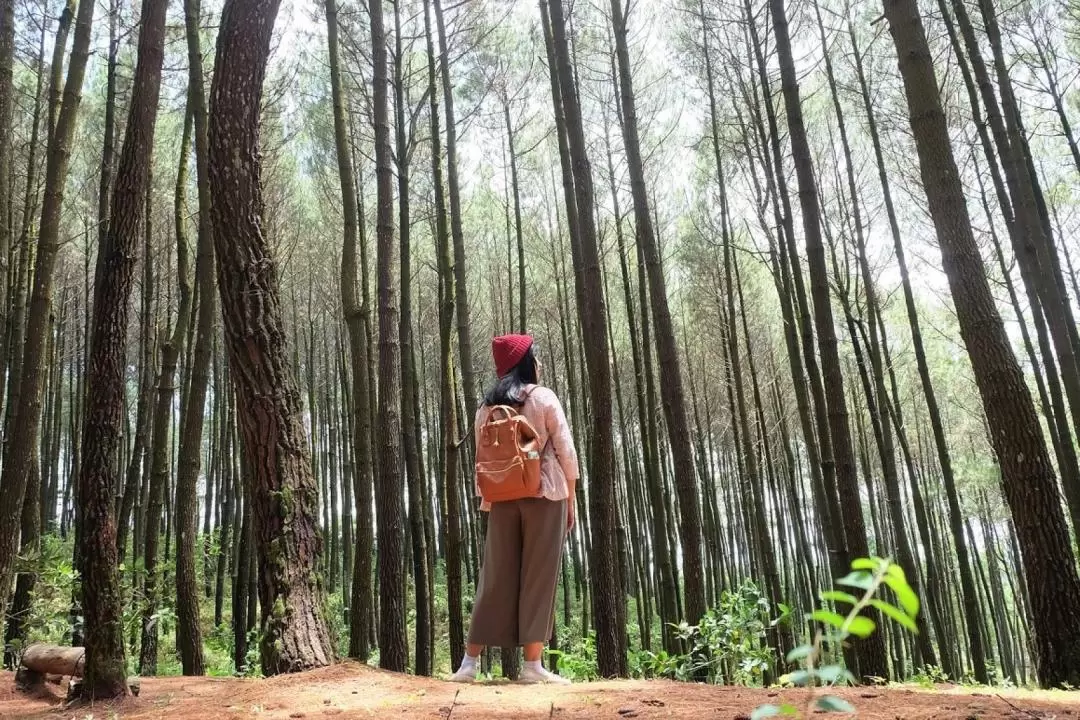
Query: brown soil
x,y
355,691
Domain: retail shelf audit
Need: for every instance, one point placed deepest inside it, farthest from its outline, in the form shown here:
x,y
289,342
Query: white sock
x,y
469,662
534,664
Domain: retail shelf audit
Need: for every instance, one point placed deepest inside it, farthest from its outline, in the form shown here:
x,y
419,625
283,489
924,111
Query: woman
x,y
515,600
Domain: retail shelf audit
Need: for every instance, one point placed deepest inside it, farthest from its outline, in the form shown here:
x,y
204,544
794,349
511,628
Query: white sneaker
x,y
465,674
539,674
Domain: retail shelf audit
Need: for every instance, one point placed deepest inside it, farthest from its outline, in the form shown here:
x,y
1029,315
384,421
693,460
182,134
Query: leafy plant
x,y
930,675
580,665
867,575
729,644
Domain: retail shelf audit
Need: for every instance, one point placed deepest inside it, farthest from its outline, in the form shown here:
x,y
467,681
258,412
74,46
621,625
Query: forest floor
x,y
354,691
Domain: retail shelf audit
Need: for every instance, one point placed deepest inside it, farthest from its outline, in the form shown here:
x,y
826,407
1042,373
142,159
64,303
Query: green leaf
x,y
860,626
904,594
835,674
858,579
896,614
768,711
800,653
800,678
838,596
870,564
831,703
827,617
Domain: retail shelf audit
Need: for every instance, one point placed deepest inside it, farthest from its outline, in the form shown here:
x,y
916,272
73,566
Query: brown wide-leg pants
x,y
515,600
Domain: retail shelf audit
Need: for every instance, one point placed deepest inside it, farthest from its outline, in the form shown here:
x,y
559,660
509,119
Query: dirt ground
x,y
350,690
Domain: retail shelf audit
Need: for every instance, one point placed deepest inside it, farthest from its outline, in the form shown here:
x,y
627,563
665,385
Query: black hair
x,y
510,389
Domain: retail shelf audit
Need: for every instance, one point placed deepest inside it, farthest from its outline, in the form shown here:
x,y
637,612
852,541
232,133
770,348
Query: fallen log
x,y
41,660
41,663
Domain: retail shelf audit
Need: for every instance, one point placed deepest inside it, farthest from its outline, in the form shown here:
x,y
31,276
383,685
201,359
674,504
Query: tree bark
x,y
1027,473
871,651
24,437
106,664
461,287
393,646
671,385
294,633
610,639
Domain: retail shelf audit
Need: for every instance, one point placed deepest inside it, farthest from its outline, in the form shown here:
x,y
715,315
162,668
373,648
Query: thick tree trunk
x,y
294,633
610,639
24,437
1027,473
389,506
106,664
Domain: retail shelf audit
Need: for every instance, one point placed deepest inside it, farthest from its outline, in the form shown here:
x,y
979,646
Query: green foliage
x,y
49,617
867,575
928,676
729,644
580,665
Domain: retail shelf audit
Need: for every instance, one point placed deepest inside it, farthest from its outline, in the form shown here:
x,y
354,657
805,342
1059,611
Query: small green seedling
x,y
867,576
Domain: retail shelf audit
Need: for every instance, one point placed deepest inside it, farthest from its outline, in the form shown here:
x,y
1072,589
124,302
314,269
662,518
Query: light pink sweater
x,y
558,459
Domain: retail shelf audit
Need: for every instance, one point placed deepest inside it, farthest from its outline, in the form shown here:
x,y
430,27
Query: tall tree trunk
x,y
1027,473
671,388
610,639
967,584
24,437
871,651
161,449
106,664
448,479
409,383
393,646
194,410
7,91
294,633
359,402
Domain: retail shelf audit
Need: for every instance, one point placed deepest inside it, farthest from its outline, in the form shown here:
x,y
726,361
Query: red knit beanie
x,y
508,350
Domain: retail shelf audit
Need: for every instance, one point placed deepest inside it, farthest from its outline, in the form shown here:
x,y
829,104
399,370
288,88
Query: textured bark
x,y
389,506
967,584
610,639
871,651
106,664
161,447
188,632
284,499
355,322
23,439
464,329
449,476
671,385
409,383
188,460
1027,473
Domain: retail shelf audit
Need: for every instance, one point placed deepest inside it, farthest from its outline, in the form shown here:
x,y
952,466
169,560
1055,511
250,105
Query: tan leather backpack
x,y
507,456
